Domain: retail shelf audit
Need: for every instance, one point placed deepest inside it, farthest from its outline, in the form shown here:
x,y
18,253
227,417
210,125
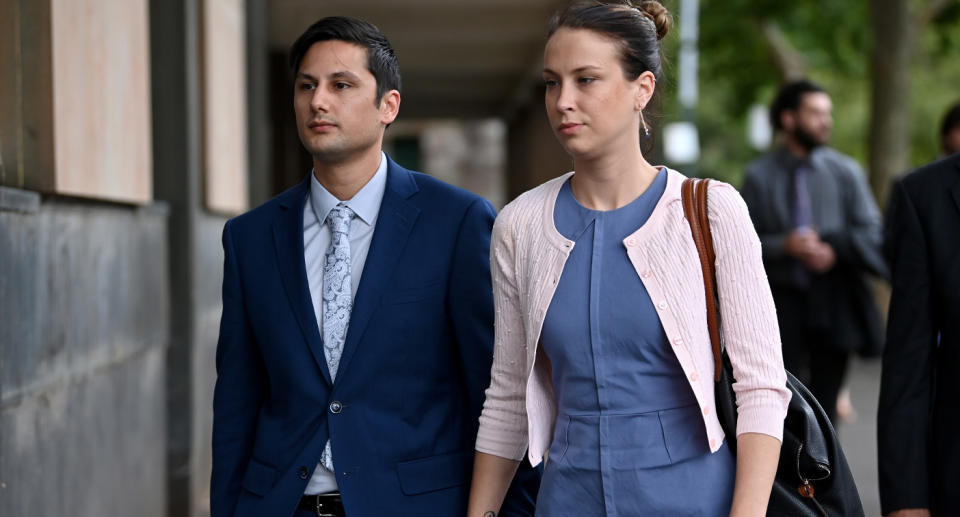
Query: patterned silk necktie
x,y
337,297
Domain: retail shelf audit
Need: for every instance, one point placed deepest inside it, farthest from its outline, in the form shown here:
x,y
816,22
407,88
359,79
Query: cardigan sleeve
x,y
749,318
503,422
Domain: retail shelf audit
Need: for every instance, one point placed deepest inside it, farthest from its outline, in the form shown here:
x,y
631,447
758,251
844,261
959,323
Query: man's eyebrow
x,y
340,74
344,74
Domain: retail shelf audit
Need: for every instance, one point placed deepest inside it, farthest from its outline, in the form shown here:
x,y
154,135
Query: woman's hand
x,y
757,458
491,479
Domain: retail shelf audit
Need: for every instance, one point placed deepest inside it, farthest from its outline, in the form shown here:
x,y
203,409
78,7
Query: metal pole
x,y
687,74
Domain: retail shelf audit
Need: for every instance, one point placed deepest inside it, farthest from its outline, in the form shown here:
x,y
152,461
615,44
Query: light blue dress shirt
x,y
316,240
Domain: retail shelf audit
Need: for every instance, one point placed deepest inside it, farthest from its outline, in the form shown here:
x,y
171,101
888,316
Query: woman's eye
x,y
341,86
550,83
586,80
307,86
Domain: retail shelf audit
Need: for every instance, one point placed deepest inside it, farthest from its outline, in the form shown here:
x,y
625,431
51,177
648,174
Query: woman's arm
x,y
757,458
502,436
750,329
752,338
491,479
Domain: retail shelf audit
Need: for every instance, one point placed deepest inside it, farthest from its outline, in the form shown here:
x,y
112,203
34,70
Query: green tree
x,y
749,47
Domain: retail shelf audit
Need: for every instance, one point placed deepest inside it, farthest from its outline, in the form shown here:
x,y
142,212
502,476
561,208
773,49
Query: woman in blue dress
x,y
601,330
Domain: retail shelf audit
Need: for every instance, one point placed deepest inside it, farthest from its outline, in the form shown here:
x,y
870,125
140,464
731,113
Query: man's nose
x,y
319,102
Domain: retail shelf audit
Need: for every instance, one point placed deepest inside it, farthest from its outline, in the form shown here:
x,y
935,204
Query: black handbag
x,y
813,477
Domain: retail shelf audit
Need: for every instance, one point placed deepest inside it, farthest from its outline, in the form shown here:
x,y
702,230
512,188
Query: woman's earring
x,y
646,129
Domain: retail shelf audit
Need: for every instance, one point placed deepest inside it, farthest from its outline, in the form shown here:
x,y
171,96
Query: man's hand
x,y
800,242
910,512
805,245
821,258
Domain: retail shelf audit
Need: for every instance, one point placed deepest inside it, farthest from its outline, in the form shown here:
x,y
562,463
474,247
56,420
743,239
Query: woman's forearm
x,y
491,479
757,458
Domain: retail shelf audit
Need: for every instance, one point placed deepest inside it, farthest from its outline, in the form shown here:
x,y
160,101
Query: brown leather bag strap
x,y
694,196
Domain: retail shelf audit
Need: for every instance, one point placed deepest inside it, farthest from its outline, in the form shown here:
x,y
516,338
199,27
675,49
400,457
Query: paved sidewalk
x,y
859,437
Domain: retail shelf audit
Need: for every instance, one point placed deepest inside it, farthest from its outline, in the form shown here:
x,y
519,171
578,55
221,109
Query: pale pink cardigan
x,y
527,258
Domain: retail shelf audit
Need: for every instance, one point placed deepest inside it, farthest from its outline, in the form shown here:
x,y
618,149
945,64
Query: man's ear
x,y
788,120
389,107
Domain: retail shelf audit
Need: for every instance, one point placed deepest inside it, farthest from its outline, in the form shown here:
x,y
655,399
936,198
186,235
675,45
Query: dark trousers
x,y
810,352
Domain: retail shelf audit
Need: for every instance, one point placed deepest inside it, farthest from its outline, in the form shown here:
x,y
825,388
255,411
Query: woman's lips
x,y
569,128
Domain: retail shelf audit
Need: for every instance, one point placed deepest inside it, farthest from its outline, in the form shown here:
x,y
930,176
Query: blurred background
x,y
131,130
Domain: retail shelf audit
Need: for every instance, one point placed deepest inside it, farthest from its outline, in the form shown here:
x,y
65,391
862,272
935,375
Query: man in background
x,y
821,232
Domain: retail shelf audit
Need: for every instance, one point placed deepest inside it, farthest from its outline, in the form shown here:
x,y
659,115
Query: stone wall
x,y
84,327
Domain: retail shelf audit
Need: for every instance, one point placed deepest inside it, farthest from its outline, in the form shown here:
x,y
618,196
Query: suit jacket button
x,y
335,407
303,472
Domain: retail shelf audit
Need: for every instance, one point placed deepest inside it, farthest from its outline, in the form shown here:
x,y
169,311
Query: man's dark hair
x,y
789,98
381,60
950,121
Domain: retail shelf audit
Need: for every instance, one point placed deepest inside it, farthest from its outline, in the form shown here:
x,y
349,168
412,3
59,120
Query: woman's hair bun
x,y
659,14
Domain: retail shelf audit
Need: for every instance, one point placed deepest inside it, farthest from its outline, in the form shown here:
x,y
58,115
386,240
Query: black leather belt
x,y
323,505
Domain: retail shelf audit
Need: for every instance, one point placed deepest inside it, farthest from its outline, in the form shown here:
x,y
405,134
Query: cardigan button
x,y
662,305
646,274
631,242
694,376
706,410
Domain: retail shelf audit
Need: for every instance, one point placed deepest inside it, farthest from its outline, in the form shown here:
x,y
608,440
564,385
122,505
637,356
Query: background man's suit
x,y
403,413
919,415
823,317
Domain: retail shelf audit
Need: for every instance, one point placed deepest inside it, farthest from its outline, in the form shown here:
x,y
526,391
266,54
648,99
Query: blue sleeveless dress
x,y
629,439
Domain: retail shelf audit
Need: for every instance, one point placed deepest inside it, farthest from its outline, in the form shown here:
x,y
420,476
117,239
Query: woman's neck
x,y
611,181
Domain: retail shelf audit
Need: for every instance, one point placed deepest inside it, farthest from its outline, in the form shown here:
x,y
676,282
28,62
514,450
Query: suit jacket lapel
x,y
396,219
288,238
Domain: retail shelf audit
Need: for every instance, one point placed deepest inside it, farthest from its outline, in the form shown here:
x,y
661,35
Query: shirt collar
x,y
790,163
365,203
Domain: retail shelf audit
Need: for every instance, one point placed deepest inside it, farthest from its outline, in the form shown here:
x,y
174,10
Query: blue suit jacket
x,y
411,380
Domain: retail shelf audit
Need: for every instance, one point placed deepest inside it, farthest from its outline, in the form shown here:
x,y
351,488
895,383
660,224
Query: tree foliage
x,y
748,47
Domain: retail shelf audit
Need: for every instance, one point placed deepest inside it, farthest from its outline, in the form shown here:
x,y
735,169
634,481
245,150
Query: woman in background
x,y
602,351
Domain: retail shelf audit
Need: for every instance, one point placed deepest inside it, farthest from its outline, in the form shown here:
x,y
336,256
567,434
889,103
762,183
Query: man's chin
x,y
327,153
810,141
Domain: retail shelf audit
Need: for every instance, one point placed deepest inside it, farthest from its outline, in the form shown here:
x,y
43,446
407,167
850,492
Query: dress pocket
x,y
684,435
561,440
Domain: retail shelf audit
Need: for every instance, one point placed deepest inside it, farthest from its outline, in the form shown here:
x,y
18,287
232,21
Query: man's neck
x,y
345,179
797,149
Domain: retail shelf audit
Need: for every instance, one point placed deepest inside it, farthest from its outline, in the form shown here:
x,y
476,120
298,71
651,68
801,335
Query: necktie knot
x,y
339,218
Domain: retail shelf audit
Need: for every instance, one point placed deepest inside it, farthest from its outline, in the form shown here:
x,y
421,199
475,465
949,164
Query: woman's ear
x,y
646,84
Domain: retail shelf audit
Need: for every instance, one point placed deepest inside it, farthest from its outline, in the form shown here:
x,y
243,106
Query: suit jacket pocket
x,y
414,294
259,477
435,472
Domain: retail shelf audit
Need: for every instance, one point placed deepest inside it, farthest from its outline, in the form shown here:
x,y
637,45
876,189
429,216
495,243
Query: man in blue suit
x,y
356,338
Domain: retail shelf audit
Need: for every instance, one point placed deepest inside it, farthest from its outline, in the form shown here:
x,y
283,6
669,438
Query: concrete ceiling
x,y
459,58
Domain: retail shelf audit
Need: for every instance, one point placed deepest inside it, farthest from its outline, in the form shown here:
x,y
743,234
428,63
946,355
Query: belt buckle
x,y
319,508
